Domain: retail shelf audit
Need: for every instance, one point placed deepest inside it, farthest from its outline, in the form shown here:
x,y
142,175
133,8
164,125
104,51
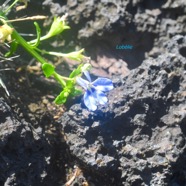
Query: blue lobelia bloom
x,y
94,91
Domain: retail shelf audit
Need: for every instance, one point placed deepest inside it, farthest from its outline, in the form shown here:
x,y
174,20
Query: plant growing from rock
x,y
94,91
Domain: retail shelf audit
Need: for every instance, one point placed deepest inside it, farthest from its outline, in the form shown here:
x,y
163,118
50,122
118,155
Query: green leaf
x,y
13,48
76,92
48,69
62,97
38,31
76,72
70,84
1,14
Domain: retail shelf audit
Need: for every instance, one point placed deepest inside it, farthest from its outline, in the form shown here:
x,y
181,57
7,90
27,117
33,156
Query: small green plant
x,y
93,90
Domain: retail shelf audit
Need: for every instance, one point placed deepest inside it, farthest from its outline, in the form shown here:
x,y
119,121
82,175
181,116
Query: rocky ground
x,y
138,138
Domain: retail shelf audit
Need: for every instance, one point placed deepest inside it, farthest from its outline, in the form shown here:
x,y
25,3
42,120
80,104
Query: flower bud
x,y
57,26
5,33
77,56
86,67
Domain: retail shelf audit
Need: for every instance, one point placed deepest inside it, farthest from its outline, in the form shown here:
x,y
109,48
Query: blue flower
x,y
94,91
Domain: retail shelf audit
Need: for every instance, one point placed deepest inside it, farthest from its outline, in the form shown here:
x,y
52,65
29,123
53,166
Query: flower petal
x,y
83,83
90,100
87,75
103,84
100,97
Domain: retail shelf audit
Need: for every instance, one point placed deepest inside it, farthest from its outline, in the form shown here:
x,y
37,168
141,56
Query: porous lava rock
x,y
102,25
27,154
24,154
139,137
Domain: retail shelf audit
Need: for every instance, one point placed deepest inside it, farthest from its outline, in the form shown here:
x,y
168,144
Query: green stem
x,y
30,49
41,39
6,11
27,47
59,79
66,78
52,53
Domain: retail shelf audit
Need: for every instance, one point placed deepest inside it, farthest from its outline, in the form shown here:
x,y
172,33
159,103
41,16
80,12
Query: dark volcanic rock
x,y
139,137
24,155
102,25
21,151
